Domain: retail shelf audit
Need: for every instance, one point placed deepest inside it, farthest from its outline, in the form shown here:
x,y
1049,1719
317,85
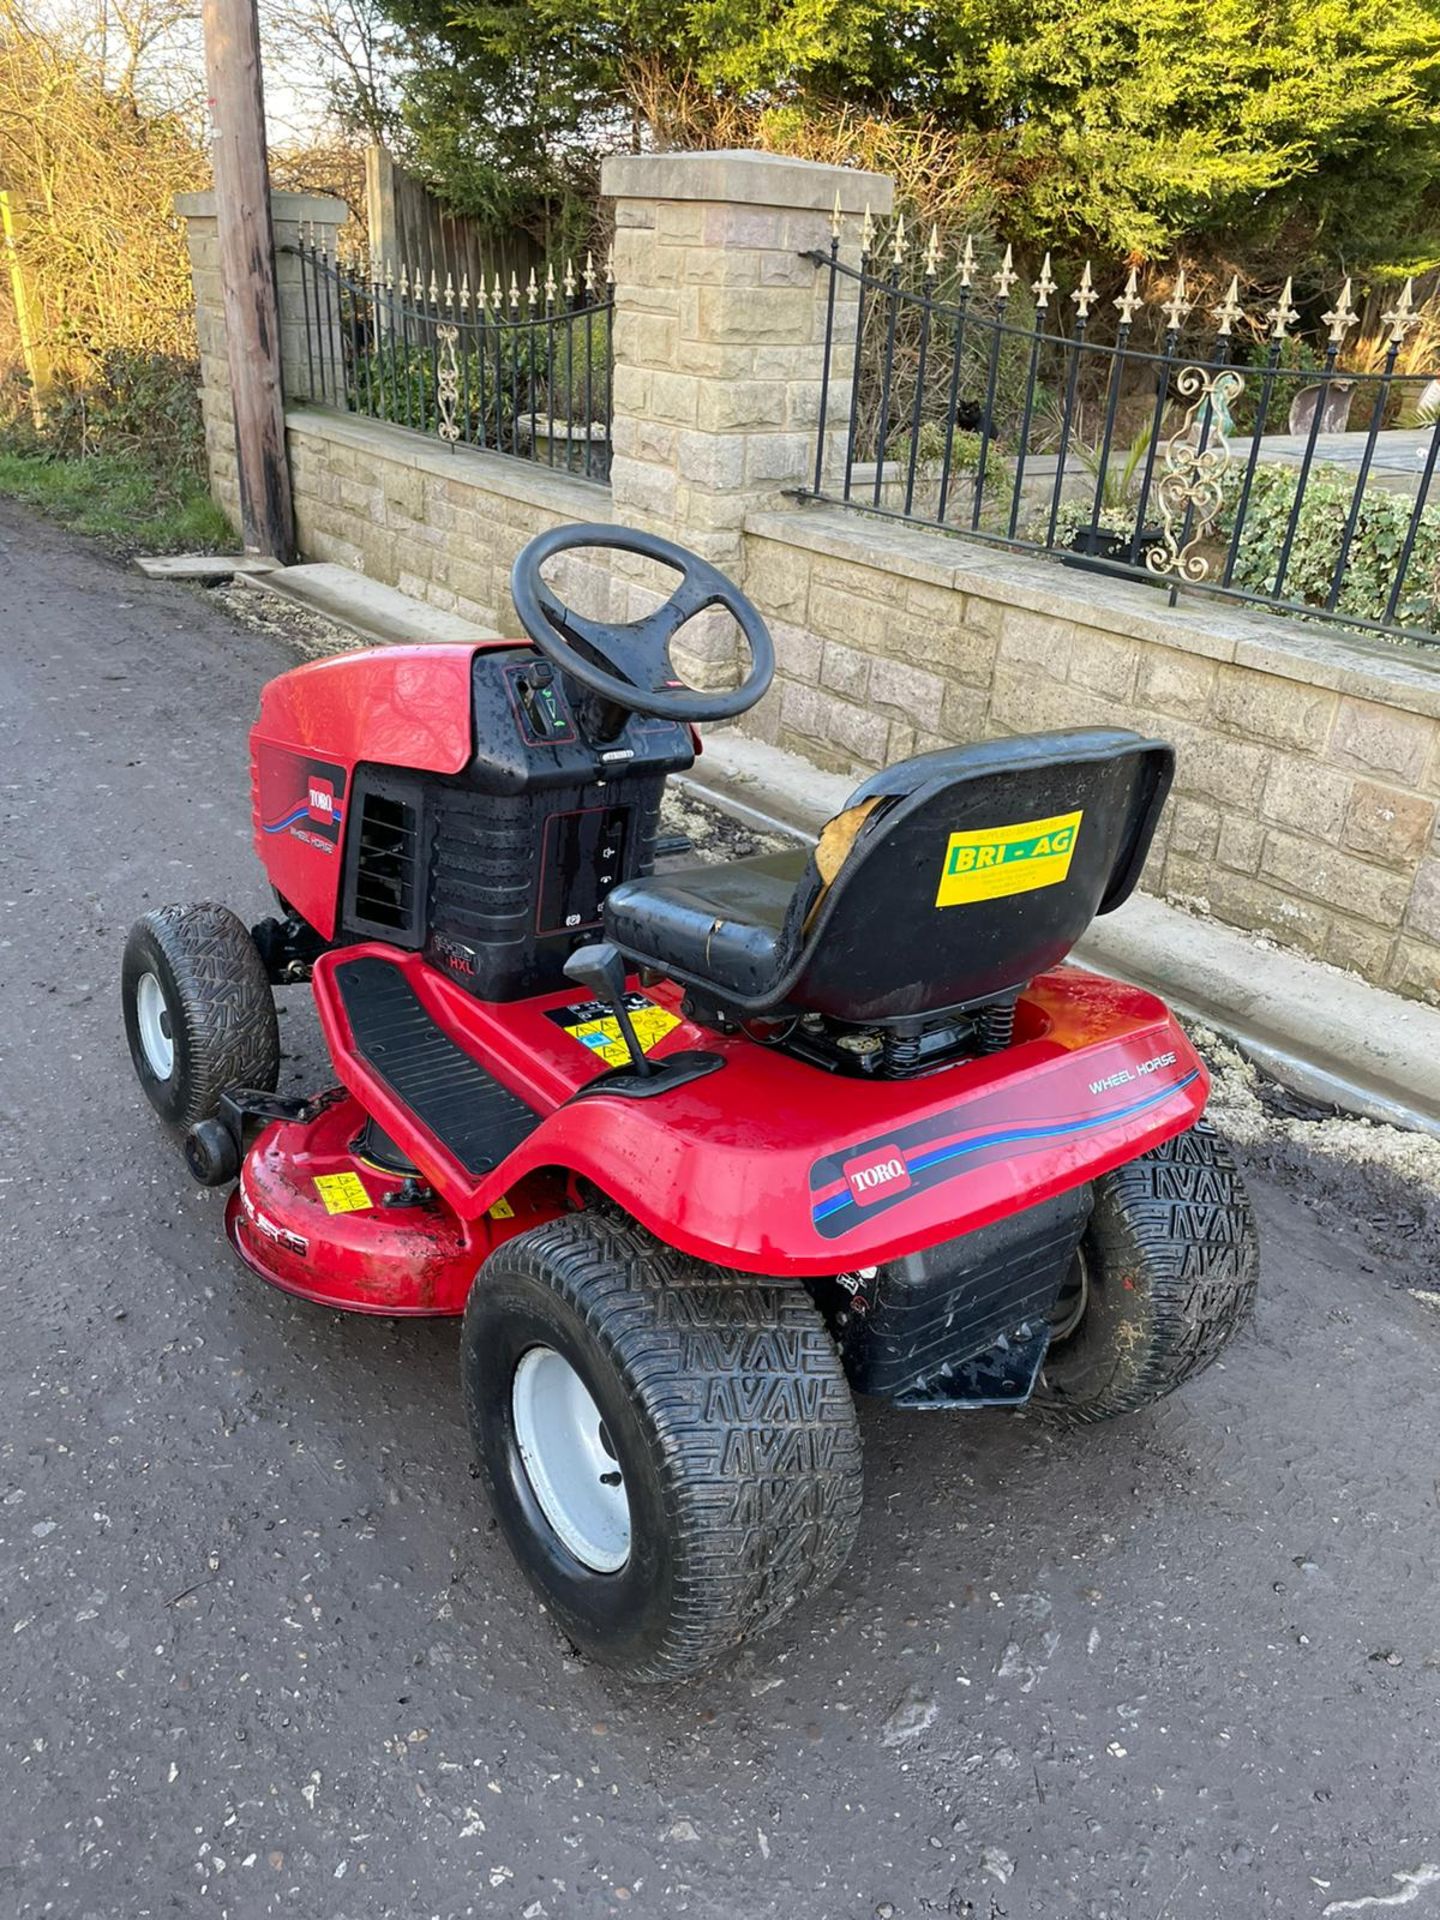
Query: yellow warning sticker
x,y
502,1210
602,1035
993,862
342,1192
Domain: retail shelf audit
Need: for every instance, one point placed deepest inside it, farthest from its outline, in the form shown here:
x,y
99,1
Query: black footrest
x,y
448,1091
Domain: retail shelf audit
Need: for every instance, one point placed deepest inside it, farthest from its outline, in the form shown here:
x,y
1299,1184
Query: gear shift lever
x,y
600,968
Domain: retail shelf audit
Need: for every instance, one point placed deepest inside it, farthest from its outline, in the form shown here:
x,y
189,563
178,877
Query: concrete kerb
x,y
1325,1034
367,607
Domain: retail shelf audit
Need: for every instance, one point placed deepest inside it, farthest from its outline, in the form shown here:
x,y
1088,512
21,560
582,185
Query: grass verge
x,y
121,499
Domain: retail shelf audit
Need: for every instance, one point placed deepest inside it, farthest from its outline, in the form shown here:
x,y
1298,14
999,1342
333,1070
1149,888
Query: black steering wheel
x,y
629,662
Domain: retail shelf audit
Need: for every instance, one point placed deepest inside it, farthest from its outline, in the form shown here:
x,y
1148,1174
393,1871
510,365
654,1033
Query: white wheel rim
x,y
152,1016
572,1470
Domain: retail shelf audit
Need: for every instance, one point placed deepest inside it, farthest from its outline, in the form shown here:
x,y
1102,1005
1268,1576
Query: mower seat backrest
x,y
951,881
979,867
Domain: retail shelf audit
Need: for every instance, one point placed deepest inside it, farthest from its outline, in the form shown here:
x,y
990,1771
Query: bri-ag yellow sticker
x,y
342,1192
993,862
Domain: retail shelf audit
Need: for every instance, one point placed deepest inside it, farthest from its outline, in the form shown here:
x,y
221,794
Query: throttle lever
x,y
600,968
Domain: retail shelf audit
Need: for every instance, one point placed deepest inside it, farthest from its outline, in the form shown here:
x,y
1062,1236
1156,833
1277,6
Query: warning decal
x,y
594,1026
342,1192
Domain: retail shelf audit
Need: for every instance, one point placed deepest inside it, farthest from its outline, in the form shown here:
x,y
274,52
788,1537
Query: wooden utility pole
x,y
247,270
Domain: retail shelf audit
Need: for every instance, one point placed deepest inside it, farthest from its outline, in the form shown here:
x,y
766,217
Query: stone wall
x,y
442,525
1309,761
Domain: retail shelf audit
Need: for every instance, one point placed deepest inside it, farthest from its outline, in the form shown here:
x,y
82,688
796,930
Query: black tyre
x,y
671,1449
199,1013
1165,1277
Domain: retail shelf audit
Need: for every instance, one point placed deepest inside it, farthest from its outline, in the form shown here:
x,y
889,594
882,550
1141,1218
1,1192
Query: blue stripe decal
x,y
300,813
963,1147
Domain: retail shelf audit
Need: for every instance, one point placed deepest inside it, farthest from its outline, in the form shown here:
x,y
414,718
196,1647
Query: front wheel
x,y
199,1012
671,1449
1164,1277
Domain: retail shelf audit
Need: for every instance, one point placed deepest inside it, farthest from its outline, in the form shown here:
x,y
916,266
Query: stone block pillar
x,y
307,338
719,341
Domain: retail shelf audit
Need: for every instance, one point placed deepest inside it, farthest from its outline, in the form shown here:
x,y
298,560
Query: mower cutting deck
x,y
695,1154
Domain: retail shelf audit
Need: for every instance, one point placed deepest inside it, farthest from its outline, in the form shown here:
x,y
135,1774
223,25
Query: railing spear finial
x,y
897,252
532,291
932,254
1402,316
1283,314
568,283
1341,317
1085,295
1007,276
867,234
967,263
1044,286
589,275
1178,305
1130,302
550,288
835,217
1229,309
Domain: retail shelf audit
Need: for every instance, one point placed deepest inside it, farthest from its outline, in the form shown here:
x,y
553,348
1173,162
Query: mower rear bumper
x,y
773,1166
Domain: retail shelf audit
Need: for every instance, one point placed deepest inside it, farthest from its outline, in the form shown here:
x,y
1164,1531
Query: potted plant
x,y
1108,535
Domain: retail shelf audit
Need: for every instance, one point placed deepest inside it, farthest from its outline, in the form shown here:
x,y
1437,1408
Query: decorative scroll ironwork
x,y
1191,488
447,383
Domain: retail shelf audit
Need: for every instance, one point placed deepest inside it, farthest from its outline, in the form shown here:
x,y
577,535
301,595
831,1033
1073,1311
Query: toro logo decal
x,y
877,1175
990,863
303,799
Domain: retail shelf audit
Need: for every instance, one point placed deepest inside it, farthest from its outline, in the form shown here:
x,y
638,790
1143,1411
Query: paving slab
x,y
210,569
365,606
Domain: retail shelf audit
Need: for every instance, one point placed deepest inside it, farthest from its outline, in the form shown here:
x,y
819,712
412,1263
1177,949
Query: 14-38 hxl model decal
x,y
849,1186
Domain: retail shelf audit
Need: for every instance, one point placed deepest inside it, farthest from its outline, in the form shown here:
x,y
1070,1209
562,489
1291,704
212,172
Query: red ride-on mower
x,y
699,1153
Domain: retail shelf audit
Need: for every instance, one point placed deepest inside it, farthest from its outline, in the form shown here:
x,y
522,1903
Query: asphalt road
x,y
264,1653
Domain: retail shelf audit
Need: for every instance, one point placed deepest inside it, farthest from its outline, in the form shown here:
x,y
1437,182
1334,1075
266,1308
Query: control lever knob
x,y
600,967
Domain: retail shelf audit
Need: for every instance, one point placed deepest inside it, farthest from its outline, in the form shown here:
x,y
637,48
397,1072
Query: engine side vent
x,y
384,884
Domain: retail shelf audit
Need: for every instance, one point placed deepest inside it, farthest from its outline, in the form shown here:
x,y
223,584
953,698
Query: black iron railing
x,y
953,396
521,371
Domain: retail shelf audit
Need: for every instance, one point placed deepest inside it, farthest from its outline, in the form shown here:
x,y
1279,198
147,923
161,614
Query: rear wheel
x,y
1164,1277
199,1012
671,1449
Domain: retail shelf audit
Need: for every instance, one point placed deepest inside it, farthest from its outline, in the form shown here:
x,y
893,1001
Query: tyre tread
x,y
232,1036
1178,1223
758,1438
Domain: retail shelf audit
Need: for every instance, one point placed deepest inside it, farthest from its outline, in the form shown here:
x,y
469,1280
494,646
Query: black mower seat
x,y
724,922
945,883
